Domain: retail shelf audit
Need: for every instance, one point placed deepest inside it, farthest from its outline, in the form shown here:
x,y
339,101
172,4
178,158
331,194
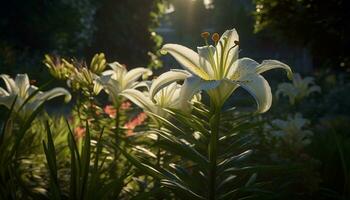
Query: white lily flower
x,y
118,79
291,131
173,96
21,88
299,89
221,64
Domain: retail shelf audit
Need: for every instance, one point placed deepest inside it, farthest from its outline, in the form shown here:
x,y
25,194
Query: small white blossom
x,y
299,89
21,89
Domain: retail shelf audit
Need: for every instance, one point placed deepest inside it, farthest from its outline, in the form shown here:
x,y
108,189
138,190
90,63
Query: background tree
x,y
30,28
126,31
320,25
230,14
189,19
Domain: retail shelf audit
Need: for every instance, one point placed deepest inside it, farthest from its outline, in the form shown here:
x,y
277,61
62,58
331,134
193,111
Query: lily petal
x,y
220,94
3,92
167,78
297,80
135,74
314,88
187,58
244,66
231,36
32,89
308,81
116,66
105,77
204,59
260,89
107,73
193,85
22,82
146,84
10,84
118,72
287,89
7,101
97,87
272,64
138,98
43,96
168,96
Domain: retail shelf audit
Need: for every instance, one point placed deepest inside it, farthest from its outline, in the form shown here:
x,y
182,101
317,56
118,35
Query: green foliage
x,y
208,153
11,139
87,179
188,157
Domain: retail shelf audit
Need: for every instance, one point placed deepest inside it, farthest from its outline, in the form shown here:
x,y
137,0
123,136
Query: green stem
x,y
213,148
117,124
114,169
157,182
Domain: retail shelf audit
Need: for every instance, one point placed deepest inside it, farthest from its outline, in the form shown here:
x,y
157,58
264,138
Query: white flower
x,y
173,96
291,131
299,89
119,79
220,64
21,89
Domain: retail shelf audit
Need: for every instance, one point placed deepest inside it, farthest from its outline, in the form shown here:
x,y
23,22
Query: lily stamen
x,y
215,37
205,35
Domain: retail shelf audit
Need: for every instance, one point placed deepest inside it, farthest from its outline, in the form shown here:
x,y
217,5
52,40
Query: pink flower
x,y
110,111
125,105
133,123
79,132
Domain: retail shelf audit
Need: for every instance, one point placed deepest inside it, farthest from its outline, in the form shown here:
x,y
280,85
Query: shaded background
x,y
307,34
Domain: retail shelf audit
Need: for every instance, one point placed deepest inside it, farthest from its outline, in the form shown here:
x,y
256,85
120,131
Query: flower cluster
x,y
219,71
216,70
118,79
133,123
78,75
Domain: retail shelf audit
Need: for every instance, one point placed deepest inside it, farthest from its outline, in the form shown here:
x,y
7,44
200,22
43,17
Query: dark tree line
x,y
123,29
322,26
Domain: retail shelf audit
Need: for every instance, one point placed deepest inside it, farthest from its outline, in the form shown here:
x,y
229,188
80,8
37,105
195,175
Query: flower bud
x,y
98,63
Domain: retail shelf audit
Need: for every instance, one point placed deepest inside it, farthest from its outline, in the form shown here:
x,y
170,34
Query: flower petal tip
x,y
67,97
163,52
290,75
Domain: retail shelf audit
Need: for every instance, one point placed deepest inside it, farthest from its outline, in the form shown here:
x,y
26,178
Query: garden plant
x,y
130,135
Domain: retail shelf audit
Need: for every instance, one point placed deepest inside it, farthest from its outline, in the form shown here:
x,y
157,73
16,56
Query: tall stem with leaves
x,y
159,157
117,127
213,149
